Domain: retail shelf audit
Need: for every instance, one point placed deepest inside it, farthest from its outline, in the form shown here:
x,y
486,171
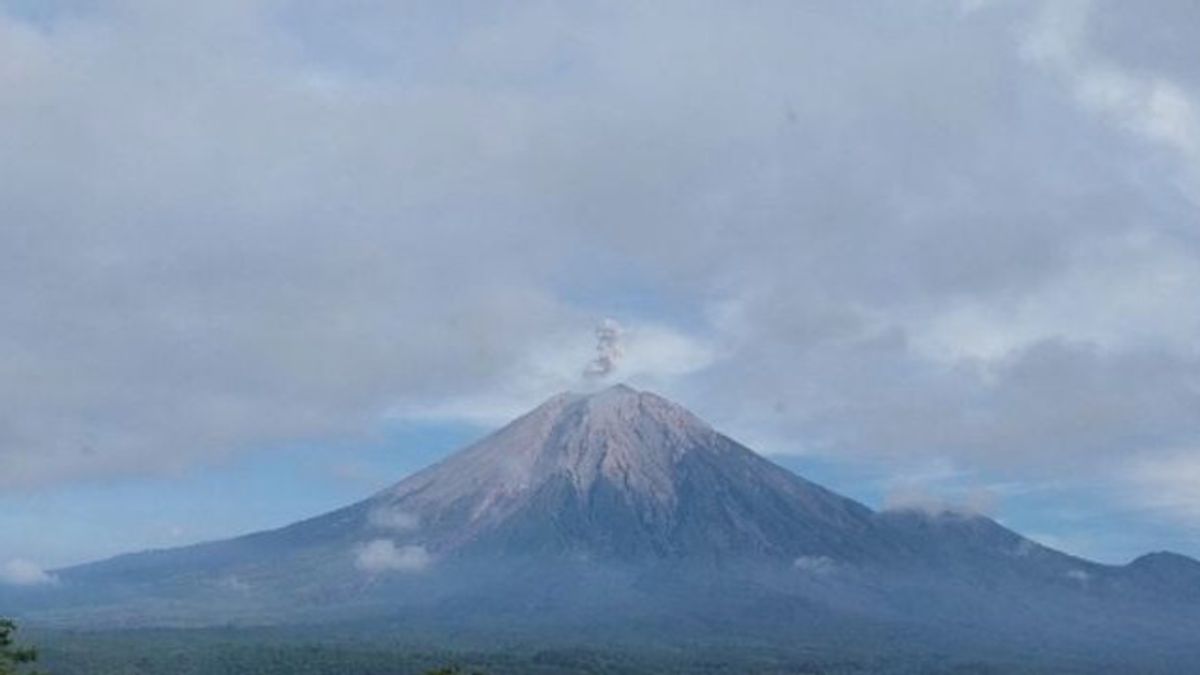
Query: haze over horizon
x,y
260,258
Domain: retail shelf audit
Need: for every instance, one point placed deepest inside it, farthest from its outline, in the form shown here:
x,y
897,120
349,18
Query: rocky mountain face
x,y
620,475
620,510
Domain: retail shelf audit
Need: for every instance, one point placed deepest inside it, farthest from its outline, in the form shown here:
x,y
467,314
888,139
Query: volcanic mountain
x,y
620,475
619,514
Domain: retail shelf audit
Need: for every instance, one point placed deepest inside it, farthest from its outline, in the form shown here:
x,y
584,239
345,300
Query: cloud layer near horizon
x,y
907,232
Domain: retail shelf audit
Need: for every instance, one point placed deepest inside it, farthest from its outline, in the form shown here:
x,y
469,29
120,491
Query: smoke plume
x,y
608,350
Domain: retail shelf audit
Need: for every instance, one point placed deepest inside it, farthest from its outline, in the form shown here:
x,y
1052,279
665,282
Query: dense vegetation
x,y
265,653
330,660
12,657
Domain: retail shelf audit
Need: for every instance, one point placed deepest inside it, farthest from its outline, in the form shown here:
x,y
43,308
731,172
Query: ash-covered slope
x,y
619,474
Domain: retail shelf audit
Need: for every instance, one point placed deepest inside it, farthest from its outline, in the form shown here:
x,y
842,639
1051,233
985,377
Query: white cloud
x,y
1080,576
1120,292
652,356
20,572
818,565
909,496
1145,103
236,225
393,518
382,555
656,353
1169,484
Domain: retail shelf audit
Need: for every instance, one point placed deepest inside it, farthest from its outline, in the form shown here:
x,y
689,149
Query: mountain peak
x,y
629,437
621,406
617,394
616,390
618,471
1166,560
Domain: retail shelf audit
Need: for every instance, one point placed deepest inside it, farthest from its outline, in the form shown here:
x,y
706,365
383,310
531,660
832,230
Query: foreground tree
x,y
12,657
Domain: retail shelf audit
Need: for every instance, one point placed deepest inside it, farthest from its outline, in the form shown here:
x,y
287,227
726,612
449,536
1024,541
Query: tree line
x,y
14,659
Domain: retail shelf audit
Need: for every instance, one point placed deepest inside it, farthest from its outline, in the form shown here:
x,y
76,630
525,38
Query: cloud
x,y
1080,576
654,356
913,497
232,226
393,519
20,572
815,565
1168,484
1146,103
382,555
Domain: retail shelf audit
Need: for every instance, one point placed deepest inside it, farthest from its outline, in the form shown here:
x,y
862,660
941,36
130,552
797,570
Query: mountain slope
x,y
620,474
620,509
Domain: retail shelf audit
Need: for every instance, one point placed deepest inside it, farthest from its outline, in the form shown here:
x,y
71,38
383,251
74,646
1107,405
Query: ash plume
x,y
608,350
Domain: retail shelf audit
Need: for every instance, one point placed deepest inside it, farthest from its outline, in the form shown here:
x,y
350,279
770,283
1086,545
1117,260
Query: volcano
x,y
619,515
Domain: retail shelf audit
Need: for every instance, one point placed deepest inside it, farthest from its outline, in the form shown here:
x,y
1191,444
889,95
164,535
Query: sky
x,y
259,258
